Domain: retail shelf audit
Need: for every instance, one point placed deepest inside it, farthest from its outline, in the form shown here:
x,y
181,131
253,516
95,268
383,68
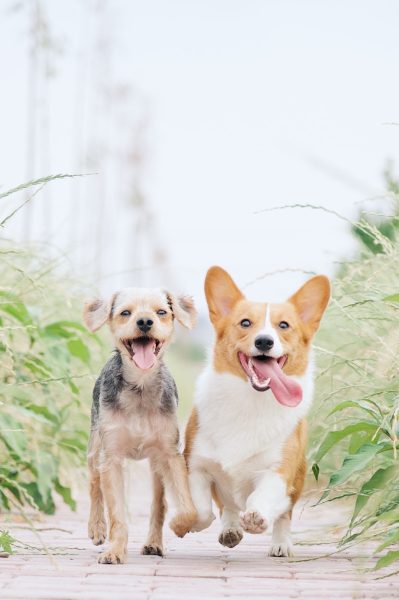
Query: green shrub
x,y
354,428
46,363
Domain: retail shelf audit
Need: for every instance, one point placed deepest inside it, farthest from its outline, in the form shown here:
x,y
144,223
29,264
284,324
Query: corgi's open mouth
x,y
265,372
143,351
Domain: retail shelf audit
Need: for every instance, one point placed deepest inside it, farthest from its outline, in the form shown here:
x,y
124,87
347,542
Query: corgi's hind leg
x,y
281,536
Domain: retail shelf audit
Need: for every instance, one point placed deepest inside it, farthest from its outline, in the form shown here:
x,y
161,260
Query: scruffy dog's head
x,y
141,321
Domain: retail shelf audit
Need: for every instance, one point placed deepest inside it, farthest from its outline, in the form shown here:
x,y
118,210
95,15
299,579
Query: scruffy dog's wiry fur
x,y
134,416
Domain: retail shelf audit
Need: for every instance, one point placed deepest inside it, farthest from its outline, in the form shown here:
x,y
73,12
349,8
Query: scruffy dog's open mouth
x,y
143,351
265,372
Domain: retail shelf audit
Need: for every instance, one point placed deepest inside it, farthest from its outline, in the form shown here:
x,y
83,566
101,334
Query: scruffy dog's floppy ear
x,y
96,312
183,308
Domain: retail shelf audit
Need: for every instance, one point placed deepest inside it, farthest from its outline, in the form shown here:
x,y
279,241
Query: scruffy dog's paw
x,y
112,557
202,522
230,537
253,522
152,550
97,532
183,523
281,549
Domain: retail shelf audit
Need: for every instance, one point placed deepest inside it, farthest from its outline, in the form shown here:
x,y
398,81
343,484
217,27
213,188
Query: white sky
x,y
251,104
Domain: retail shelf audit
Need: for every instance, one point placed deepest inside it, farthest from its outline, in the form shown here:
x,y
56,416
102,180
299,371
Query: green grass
x,y
354,425
47,360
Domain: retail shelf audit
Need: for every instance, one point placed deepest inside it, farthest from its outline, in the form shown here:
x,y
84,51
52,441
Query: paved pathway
x,y
194,567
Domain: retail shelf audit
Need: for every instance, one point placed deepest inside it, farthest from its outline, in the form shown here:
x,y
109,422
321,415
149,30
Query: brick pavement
x,y
194,567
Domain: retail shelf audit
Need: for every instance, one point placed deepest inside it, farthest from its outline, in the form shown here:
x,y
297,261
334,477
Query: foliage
x,y
355,430
46,358
387,226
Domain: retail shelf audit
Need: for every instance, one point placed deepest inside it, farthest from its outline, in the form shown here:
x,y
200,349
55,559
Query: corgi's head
x,y
265,343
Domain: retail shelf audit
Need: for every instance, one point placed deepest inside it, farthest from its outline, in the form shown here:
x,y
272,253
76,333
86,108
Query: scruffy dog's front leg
x,y
97,527
112,488
154,544
175,473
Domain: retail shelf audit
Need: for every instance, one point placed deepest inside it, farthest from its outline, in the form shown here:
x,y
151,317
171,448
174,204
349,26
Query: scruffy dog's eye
x,y
245,323
161,312
125,313
283,325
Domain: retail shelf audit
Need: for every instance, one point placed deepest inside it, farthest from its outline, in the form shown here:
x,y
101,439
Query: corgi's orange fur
x,y
246,437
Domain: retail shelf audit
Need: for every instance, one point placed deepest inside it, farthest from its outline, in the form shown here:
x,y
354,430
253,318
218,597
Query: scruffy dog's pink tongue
x,y
286,390
144,354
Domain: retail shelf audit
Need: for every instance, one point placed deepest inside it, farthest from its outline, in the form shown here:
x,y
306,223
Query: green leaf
x,y
376,482
6,541
13,435
78,349
36,366
354,404
51,417
18,311
386,560
393,538
392,298
316,471
354,463
333,437
44,504
65,493
46,469
65,329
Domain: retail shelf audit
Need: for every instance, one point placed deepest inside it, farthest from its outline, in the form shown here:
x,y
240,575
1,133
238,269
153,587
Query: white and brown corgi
x,y
246,436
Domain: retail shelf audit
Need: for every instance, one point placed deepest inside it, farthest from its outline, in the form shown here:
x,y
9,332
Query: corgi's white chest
x,y
240,427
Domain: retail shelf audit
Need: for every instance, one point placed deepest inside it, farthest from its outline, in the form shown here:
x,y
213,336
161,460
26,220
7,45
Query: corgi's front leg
x,y
200,487
267,502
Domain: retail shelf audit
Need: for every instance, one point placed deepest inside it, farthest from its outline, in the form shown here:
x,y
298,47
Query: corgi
x,y
246,436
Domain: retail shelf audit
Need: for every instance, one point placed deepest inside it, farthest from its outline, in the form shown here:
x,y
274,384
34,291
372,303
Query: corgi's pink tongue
x,y
286,390
144,354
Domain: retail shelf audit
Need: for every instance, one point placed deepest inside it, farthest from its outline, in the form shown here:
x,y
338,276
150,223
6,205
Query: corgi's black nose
x,y
145,324
264,342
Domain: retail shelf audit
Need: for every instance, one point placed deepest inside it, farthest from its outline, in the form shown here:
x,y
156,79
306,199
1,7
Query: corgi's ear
x,y
311,301
183,309
96,312
221,293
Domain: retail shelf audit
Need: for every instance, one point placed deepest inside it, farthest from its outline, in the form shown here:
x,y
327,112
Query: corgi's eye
x,y
245,323
125,313
283,325
161,312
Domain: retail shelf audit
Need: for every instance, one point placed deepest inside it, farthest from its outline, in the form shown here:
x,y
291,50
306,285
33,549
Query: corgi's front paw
x,y
230,537
253,522
202,522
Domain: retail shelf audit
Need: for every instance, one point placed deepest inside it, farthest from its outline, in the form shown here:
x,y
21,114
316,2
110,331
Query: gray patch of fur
x,y
160,392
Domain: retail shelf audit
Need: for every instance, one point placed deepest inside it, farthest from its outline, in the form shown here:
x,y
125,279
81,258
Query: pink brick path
x,y
194,567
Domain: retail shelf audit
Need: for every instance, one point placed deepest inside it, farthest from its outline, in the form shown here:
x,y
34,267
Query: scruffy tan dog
x,y
134,416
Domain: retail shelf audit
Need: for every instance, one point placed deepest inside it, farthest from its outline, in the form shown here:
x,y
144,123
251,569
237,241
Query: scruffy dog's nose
x,y
264,342
145,324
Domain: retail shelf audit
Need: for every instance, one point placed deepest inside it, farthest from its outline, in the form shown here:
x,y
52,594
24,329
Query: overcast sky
x,y
250,104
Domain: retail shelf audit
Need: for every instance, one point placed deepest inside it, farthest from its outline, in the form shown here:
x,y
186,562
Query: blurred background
x,y
192,118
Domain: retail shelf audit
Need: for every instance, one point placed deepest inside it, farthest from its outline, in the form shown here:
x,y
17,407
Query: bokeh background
x,y
194,117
